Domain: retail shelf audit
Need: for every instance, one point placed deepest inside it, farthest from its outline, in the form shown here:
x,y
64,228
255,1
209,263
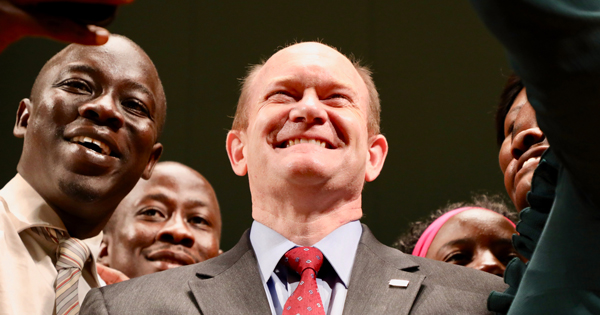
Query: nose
x,y
309,109
487,262
104,111
176,231
525,139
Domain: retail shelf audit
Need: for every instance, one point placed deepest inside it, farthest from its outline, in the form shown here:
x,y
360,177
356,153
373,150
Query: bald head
x,y
119,48
240,121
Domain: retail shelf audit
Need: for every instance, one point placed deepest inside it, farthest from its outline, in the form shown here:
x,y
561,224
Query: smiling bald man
x,y
90,129
306,133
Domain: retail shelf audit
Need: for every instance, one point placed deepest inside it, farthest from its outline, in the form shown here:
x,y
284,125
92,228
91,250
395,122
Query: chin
x,y
89,190
520,195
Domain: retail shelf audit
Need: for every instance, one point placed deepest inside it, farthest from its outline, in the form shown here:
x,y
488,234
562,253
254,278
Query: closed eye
x,y
337,100
281,96
337,95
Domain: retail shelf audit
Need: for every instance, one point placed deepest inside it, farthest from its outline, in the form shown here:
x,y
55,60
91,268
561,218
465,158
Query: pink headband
x,y
427,237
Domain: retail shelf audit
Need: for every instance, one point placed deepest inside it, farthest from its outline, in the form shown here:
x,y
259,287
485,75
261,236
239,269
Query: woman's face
x,y
476,238
520,152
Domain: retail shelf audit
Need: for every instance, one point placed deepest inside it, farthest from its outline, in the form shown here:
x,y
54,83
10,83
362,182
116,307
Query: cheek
x,y
138,236
505,155
141,136
207,244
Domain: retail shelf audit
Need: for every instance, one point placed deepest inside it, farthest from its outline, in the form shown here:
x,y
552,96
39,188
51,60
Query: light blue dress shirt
x,y
338,248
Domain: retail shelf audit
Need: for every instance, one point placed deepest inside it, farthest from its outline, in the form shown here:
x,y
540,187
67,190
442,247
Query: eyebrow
x,y
502,241
195,203
460,241
295,80
79,68
158,197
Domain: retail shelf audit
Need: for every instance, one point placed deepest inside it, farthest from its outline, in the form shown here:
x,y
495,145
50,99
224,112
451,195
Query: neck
x,y
308,220
79,228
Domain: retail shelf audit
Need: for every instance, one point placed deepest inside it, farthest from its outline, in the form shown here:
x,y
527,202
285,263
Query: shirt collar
x,y
28,209
339,247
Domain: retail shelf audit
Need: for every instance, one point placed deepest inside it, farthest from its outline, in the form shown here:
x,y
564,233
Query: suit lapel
x,y
231,283
374,266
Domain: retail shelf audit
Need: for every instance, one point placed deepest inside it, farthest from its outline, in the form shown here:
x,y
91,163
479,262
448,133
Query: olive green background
x,y
438,71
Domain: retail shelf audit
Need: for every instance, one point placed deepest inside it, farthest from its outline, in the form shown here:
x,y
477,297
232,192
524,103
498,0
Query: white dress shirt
x,y
339,250
27,259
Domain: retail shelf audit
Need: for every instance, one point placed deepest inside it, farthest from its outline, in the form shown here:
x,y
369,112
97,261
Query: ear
x,y
154,156
103,255
378,149
236,151
22,118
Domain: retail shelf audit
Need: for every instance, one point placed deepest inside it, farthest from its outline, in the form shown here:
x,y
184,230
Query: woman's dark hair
x,y
407,241
512,88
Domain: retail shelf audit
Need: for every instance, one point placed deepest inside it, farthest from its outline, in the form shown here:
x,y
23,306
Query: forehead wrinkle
x,y
83,68
160,197
312,81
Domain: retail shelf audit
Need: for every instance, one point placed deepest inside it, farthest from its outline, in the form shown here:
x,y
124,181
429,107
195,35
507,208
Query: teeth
x,y
80,139
293,142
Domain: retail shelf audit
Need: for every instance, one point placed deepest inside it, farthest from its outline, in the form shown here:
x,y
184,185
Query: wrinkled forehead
x,y
312,65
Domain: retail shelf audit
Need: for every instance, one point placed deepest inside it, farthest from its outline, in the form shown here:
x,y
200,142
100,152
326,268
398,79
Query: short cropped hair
x,y
240,120
407,241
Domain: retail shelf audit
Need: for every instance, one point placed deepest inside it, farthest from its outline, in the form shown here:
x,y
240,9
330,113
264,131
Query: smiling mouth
x,y
293,142
92,144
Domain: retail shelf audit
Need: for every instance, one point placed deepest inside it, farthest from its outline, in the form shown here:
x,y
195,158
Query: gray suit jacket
x,y
231,284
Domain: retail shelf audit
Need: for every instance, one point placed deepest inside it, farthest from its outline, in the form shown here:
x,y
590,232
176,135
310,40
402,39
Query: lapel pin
x,y
399,283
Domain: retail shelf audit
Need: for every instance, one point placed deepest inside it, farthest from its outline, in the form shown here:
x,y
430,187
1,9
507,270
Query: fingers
x,y
16,22
110,275
66,30
109,2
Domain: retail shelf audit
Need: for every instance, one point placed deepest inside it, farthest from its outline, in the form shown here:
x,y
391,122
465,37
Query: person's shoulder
x,y
150,294
440,274
171,278
458,277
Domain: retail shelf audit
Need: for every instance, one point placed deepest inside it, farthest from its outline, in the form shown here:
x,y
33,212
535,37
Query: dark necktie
x,y
306,261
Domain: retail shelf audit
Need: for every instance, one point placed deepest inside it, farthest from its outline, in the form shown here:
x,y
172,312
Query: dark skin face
x,y
476,238
171,220
90,131
520,152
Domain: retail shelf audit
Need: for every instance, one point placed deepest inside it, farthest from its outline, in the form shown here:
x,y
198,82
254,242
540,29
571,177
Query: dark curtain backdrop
x,y
437,69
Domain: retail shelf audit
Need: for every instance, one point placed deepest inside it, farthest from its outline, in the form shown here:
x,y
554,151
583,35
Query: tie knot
x,y
73,254
302,258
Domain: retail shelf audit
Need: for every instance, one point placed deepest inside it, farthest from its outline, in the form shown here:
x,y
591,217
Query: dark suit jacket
x,y
231,284
554,46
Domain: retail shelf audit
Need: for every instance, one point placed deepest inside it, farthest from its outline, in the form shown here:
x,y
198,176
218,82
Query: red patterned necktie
x,y
306,261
